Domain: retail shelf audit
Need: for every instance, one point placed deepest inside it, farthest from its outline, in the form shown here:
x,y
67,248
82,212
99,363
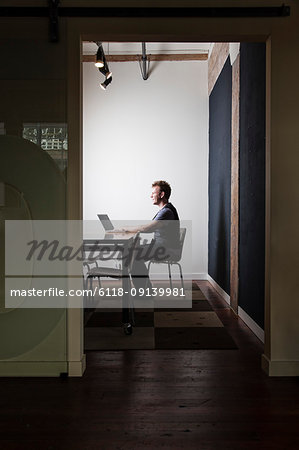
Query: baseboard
x,y
199,276
176,276
280,368
32,368
77,368
219,289
42,368
255,328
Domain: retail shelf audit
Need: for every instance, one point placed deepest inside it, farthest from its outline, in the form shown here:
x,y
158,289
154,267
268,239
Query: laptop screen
x,y
106,222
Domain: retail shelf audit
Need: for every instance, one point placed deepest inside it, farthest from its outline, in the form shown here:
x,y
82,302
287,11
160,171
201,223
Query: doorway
x,y
74,82
123,124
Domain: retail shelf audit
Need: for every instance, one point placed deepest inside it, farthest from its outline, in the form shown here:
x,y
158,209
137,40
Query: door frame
x,y
81,29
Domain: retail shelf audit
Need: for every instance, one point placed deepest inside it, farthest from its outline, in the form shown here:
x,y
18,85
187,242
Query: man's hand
x,y
122,231
149,228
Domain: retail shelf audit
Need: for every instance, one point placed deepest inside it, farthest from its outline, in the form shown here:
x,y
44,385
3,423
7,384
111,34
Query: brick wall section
x,y
216,62
217,59
234,248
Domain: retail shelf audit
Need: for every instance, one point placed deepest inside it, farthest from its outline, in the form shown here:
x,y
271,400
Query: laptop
x,y
106,222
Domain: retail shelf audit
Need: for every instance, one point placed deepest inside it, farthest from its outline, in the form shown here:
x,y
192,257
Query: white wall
x,y
139,131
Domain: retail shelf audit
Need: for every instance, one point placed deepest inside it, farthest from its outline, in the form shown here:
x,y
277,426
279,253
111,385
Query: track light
x,y
102,65
100,59
106,83
109,75
105,69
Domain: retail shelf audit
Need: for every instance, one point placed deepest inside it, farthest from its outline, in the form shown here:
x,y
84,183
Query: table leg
x,y
126,299
126,307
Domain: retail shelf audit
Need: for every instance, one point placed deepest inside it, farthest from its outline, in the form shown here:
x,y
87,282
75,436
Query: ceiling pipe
x,y
144,66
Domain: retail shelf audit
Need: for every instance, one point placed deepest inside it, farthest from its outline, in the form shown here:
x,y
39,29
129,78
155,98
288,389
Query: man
x,y
166,234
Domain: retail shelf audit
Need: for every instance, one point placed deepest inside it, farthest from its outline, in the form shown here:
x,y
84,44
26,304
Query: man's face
x,y
156,195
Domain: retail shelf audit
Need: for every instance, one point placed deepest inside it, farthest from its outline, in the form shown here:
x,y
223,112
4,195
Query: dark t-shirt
x,y
168,212
168,235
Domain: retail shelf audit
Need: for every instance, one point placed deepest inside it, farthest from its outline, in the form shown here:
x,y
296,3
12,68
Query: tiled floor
x,y
196,327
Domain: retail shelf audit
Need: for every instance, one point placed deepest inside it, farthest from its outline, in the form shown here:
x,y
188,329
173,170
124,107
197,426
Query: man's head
x,y
160,193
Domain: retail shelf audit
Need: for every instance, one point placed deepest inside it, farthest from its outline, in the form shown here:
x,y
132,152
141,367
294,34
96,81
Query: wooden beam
x,y
157,57
234,238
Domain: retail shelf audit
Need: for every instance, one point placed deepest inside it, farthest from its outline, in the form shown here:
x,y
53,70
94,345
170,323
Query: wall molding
x,y
219,289
254,327
280,368
77,368
32,368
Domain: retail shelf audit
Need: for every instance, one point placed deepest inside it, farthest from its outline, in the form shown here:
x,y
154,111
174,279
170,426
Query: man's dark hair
x,y
164,187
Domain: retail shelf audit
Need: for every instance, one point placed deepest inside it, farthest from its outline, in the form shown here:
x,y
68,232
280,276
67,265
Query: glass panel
x,y
31,134
2,129
50,137
31,98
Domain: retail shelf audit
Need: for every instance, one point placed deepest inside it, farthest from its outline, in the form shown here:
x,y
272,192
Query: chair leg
x,y
85,287
88,287
90,283
148,272
181,275
169,274
132,313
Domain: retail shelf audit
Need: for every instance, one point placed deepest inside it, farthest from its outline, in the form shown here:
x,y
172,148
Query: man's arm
x,y
148,228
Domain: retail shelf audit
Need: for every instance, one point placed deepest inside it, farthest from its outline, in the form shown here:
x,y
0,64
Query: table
x,y
121,242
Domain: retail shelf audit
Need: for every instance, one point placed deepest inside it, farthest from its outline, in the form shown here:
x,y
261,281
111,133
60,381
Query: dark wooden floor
x,y
208,399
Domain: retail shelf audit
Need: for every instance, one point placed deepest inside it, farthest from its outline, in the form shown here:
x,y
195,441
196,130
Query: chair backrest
x,y
176,254
182,240
129,253
94,248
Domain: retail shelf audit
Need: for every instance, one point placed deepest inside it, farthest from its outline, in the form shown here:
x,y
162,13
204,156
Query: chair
x,y
108,272
115,273
174,260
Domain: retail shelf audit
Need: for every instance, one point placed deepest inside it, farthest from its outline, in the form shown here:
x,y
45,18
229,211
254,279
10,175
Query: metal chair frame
x,y
110,272
172,262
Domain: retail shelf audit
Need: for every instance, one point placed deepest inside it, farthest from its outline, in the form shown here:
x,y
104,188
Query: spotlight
x,y
102,65
106,83
100,57
105,70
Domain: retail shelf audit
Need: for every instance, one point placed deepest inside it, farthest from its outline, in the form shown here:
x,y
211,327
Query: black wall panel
x,y
252,181
220,104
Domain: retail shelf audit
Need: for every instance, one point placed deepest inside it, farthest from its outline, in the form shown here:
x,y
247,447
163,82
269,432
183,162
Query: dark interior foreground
x,y
152,399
